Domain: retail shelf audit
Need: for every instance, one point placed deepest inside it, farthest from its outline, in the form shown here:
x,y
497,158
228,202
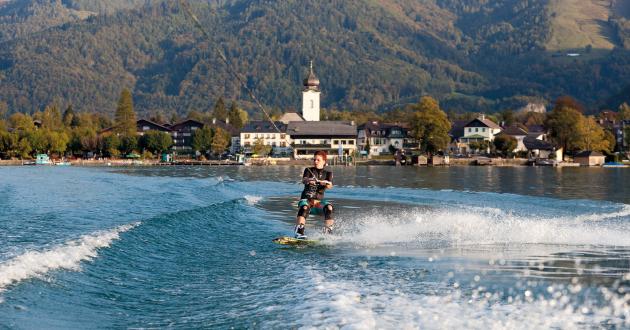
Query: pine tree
x,y
219,112
125,119
235,117
68,116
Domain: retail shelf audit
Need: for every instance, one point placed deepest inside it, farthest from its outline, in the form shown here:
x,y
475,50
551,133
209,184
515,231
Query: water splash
x,y
33,264
478,225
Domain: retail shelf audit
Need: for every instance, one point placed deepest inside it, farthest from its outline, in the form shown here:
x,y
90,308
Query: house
x,y
517,133
538,148
335,137
590,158
381,138
182,133
479,130
274,136
144,125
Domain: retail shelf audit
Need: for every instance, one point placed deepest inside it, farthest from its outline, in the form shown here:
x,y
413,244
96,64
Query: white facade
x,y
310,105
274,139
310,97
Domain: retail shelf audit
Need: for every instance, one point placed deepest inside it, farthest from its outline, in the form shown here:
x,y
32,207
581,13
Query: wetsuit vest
x,y
315,191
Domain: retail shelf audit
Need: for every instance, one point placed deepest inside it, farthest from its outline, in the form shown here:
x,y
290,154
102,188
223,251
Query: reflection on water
x,y
575,183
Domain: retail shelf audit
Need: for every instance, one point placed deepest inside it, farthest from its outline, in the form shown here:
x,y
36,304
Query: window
x,y
273,144
476,129
283,144
336,142
247,144
469,130
145,128
193,128
351,142
283,136
483,129
186,134
247,136
343,141
312,104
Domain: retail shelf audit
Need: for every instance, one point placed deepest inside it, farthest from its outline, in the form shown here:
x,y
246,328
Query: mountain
x,y
474,55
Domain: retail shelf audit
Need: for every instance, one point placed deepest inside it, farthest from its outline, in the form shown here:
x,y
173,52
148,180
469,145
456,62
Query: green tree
x,y
68,116
125,118
128,144
24,148
563,124
505,144
260,148
51,118
156,142
110,146
38,140
235,116
508,118
202,139
58,142
195,115
219,111
20,121
8,144
220,140
430,125
591,136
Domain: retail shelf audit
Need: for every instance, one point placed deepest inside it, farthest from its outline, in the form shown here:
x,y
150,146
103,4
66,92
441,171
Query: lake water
x,y
431,248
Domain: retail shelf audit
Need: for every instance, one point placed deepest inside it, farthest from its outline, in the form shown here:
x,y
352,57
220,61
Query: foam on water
x,y
479,225
356,305
32,264
252,200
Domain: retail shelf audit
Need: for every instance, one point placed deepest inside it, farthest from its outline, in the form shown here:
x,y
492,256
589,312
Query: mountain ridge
x,y
368,54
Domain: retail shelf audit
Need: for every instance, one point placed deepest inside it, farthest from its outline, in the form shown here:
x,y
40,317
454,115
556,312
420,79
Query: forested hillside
x,y
472,54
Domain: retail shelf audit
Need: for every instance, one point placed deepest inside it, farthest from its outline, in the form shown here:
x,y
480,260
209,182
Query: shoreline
x,y
481,161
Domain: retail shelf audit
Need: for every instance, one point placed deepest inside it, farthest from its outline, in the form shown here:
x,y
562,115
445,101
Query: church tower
x,y
310,97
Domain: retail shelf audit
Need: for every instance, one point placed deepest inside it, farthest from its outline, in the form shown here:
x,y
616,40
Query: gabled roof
x,y
514,131
264,126
532,143
291,116
322,128
535,129
152,125
187,122
482,122
588,153
392,130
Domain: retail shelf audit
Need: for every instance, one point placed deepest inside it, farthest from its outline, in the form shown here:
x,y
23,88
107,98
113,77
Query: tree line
x,y
71,133
78,134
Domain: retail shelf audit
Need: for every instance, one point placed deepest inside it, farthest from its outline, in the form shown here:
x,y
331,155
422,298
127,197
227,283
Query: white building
x,y
380,138
310,97
334,137
267,134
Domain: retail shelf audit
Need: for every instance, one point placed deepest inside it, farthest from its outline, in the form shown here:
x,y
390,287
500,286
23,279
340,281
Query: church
x,y
304,133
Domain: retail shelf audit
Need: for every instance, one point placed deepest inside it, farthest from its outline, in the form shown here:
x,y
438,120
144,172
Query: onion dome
x,y
311,81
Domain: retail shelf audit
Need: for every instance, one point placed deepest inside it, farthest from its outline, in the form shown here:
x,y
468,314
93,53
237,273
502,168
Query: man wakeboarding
x,y
316,180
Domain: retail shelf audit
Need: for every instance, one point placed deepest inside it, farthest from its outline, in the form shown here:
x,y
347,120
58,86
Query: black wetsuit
x,y
313,194
315,191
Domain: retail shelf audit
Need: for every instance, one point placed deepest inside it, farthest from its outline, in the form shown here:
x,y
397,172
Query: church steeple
x,y
311,82
310,96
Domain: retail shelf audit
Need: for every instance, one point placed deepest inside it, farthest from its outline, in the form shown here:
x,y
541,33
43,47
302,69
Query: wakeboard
x,y
286,240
